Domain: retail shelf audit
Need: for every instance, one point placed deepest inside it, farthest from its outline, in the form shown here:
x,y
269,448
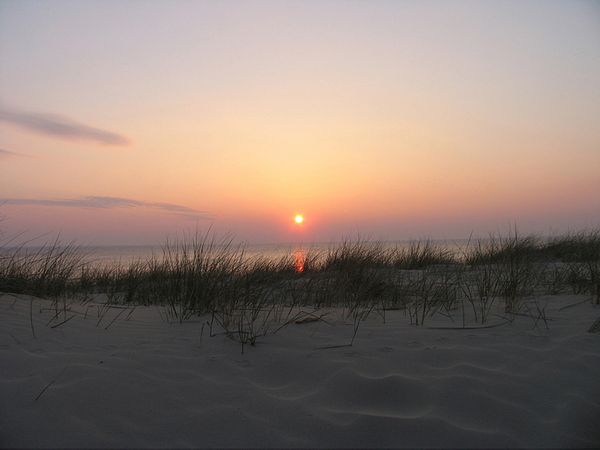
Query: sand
x,y
147,383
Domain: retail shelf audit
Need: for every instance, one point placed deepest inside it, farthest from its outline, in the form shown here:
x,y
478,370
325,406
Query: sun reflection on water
x,y
299,258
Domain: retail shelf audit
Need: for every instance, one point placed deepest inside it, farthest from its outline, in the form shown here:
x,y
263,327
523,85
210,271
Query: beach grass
x,y
247,298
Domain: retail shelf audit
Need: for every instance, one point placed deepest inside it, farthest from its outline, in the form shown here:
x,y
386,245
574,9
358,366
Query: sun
x,y
299,218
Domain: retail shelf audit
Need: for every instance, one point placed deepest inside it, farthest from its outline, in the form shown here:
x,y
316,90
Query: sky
x,y
127,122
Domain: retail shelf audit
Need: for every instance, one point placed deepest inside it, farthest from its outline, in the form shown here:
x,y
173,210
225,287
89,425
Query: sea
x,y
109,255
122,255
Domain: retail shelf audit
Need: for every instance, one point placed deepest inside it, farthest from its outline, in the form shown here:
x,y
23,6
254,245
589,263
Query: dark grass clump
x,y
505,266
524,264
353,273
357,254
191,274
581,253
421,254
497,249
583,246
45,271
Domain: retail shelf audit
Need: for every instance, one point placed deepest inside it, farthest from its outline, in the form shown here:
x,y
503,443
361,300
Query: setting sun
x,y
299,218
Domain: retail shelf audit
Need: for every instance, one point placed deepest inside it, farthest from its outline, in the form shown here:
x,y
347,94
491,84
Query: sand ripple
x,y
148,383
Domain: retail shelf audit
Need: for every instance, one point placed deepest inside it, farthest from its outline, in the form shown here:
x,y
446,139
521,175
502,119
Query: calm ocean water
x,y
106,256
123,254
111,255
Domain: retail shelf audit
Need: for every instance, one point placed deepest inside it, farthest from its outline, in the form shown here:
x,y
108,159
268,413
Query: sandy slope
x,y
144,382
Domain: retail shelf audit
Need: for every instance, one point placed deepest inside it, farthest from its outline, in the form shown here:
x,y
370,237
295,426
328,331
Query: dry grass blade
x,y
63,322
478,327
572,305
31,318
49,384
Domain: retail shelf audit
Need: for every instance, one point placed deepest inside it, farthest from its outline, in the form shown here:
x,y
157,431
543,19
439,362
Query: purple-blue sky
x,y
125,122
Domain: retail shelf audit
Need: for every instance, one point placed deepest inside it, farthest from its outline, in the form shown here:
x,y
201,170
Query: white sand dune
x,y
147,383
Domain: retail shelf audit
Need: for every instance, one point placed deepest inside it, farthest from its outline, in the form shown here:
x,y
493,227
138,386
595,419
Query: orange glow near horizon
x,y
370,123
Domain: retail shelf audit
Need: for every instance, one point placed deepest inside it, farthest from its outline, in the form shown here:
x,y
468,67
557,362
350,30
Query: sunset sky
x,y
123,122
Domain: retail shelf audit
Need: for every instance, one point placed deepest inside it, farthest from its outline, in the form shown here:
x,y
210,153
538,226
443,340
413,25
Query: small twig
x,y
53,318
574,304
31,318
299,318
507,319
319,317
49,384
333,346
469,328
101,313
62,323
130,313
115,318
531,314
362,315
109,306
449,316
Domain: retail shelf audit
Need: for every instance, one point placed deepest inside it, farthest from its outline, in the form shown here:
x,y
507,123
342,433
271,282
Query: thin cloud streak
x,y
60,127
98,202
8,154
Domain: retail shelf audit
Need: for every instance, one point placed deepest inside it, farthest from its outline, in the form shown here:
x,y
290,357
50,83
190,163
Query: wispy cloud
x,y
105,203
8,154
60,127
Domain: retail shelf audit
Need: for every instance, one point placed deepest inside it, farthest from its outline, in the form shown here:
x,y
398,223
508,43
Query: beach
x,y
299,224
141,381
